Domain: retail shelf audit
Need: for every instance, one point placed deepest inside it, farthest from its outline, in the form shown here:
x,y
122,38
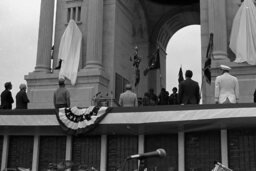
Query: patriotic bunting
x,y
77,121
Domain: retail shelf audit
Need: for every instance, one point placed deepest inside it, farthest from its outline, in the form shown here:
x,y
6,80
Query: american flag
x,y
154,62
207,64
181,78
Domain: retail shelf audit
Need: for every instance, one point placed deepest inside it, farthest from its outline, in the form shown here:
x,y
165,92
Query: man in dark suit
x,y
6,96
189,92
174,99
22,98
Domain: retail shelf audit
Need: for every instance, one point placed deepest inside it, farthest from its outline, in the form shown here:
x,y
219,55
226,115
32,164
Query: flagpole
x,y
207,65
160,75
136,59
202,84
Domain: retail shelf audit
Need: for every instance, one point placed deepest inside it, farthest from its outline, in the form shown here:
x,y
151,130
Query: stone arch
x,y
168,26
165,28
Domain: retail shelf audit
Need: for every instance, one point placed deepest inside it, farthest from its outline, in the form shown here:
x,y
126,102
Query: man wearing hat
x,y
128,98
61,97
226,87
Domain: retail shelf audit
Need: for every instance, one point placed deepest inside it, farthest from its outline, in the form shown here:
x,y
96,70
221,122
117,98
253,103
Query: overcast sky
x,y
184,49
19,21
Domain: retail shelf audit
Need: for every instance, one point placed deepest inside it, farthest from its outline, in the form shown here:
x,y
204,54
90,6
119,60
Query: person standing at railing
x,y
163,97
152,97
173,99
226,87
6,97
128,98
22,98
189,91
61,97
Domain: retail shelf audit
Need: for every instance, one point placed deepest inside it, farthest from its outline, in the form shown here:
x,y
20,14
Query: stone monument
x,y
112,28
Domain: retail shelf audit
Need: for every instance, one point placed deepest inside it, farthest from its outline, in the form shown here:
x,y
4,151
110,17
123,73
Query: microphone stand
x,y
141,165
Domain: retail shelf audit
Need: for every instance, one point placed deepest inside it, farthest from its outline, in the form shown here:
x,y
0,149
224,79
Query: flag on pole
x,y
207,64
154,62
137,76
181,78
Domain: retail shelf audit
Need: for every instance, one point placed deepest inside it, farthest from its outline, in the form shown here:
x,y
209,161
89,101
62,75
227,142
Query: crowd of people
x,y
188,92
61,96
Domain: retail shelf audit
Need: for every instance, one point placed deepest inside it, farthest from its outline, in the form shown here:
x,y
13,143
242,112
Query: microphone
x,y
221,165
158,153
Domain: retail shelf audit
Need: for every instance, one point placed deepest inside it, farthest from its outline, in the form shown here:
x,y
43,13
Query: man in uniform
x,y
226,87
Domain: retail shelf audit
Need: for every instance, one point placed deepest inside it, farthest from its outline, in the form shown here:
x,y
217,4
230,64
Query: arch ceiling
x,y
170,26
165,17
175,2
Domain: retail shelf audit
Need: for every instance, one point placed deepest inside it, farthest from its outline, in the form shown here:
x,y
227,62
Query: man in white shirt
x,y
128,98
226,87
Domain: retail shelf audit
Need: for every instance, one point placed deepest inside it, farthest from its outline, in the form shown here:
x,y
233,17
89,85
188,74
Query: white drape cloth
x,y
69,52
243,33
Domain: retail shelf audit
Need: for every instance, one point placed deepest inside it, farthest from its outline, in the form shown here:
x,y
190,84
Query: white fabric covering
x,y
243,33
69,52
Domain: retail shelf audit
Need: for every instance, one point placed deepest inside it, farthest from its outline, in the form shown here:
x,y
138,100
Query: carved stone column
x,y
43,61
218,26
94,34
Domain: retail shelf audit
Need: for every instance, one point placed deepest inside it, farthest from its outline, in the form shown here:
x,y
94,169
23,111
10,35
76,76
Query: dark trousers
x,y
61,106
57,106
